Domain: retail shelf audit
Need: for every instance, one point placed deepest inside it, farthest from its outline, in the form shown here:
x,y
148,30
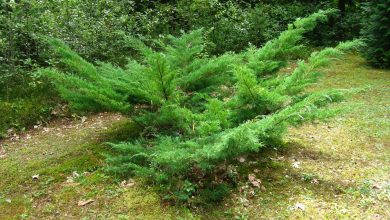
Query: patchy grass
x,y
334,170
67,156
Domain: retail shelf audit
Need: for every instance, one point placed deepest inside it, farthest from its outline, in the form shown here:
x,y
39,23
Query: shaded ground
x,y
67,157
334,170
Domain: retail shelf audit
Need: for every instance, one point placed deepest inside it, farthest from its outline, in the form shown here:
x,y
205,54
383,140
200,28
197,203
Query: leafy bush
x,y
25,101
22,113
376,33
243,22
196,113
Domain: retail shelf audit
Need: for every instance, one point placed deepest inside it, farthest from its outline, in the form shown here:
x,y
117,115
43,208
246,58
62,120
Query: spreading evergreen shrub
x,y
195,112
376,33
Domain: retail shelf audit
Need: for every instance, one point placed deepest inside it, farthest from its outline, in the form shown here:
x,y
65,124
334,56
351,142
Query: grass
x,y
338,169
63,151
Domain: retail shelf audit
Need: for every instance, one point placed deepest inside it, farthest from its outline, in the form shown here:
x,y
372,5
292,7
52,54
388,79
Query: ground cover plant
x,y
195,112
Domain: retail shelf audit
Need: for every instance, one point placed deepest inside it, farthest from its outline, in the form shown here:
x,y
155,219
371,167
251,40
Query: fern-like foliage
x,y
195,111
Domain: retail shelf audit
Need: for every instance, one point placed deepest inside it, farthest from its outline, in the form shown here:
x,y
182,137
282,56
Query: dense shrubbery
x,y
22,113
97,31
340,27
21,108
92,27
197,112
376,33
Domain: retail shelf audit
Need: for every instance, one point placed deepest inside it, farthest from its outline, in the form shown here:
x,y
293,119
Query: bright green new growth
x,y
196,112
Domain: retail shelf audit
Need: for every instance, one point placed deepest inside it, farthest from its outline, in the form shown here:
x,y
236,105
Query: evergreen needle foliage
x,y
198,112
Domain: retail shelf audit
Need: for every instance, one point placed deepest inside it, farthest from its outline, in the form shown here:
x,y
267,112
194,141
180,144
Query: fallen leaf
x,y
256,184
251,177
296,164
69,179
83,119
252,193
8,200
35,177
75,174
15,137
241,159
315,181
244,201
300,206
254,181
376,186
85,202
128,183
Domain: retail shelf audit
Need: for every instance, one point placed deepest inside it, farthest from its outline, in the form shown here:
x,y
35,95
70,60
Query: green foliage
x,y
92,92
99,30
342,26
19,114
376,33
198,112
244,22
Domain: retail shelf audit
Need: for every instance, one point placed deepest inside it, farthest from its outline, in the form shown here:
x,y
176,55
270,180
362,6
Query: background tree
x,y
376,33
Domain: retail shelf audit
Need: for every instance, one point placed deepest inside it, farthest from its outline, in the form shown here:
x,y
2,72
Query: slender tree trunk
x,y
11,60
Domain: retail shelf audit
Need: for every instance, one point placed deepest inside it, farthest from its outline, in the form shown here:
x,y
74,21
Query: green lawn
x,y
334,170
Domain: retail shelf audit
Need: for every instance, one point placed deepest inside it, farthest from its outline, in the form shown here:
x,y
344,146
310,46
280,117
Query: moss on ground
x,y
334,170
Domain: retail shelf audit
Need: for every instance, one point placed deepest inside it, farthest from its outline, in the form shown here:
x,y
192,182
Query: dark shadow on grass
x,y
124,130
271,169
275,170
293,148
